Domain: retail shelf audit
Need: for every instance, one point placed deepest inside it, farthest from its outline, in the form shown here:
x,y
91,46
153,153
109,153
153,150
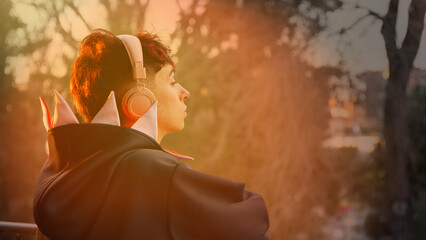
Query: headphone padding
x,y
136,102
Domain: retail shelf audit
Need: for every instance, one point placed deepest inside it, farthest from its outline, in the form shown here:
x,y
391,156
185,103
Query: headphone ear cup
x,y
136,102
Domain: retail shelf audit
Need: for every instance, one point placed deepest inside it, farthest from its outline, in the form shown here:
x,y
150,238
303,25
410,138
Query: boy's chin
x,y
177,128
180,127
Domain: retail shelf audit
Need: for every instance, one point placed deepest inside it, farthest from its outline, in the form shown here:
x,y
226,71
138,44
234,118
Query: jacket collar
x,y
108,114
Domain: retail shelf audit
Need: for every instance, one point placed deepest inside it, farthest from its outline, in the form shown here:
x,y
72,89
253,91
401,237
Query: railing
x,y
19,230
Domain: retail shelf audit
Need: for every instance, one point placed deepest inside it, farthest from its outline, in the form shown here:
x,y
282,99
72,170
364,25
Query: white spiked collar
x,y
108,114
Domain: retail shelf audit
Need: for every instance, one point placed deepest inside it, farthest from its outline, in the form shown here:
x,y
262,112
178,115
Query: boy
x,y
109,178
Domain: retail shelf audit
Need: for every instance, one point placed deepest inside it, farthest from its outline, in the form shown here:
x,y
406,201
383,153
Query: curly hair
x,y
103,65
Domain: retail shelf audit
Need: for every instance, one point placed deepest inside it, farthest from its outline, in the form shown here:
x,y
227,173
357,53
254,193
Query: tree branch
x,y
389,32
67,35
370,12
179,6
343,30
411,42
75,9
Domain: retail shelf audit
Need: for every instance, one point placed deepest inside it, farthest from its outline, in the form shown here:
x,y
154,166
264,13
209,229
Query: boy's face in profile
x,y
171,109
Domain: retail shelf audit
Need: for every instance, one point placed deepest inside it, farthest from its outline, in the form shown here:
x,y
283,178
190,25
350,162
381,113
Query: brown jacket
x,y
109,182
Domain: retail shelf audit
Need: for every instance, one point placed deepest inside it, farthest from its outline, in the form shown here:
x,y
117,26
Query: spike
x,y
63,113
46,114
148,122
108,114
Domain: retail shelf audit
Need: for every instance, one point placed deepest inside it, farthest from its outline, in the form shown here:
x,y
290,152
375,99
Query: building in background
x,y
357,121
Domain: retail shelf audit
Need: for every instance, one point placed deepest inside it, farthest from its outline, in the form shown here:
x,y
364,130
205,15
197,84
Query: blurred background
x,y
319,106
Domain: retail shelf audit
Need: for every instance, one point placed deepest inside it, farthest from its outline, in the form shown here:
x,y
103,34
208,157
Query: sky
x,y
366,53
367,49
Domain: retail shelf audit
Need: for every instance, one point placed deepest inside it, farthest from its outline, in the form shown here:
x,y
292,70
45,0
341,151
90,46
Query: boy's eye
x,y
173,83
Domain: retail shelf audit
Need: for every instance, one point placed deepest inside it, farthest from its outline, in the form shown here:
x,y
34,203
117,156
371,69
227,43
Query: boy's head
x,y
103,65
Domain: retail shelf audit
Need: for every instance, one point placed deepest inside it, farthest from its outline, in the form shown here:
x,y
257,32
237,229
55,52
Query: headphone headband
x,y
134,49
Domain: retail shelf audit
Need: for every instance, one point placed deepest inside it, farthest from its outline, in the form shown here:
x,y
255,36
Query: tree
x,y
9,23
395,127
398,156
260,110
397,146
22,136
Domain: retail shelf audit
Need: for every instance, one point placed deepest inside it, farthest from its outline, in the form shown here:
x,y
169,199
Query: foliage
x,y
378,222
259,110
416,120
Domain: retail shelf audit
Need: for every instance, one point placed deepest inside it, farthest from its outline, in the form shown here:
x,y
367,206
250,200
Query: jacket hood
x,y
105,181
88,153
108,114
83,161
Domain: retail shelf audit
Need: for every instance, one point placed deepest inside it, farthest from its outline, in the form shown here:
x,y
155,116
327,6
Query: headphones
x,y
137,100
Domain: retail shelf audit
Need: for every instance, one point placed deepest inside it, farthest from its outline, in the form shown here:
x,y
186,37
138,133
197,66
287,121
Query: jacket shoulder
x,y
208,207
150,160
